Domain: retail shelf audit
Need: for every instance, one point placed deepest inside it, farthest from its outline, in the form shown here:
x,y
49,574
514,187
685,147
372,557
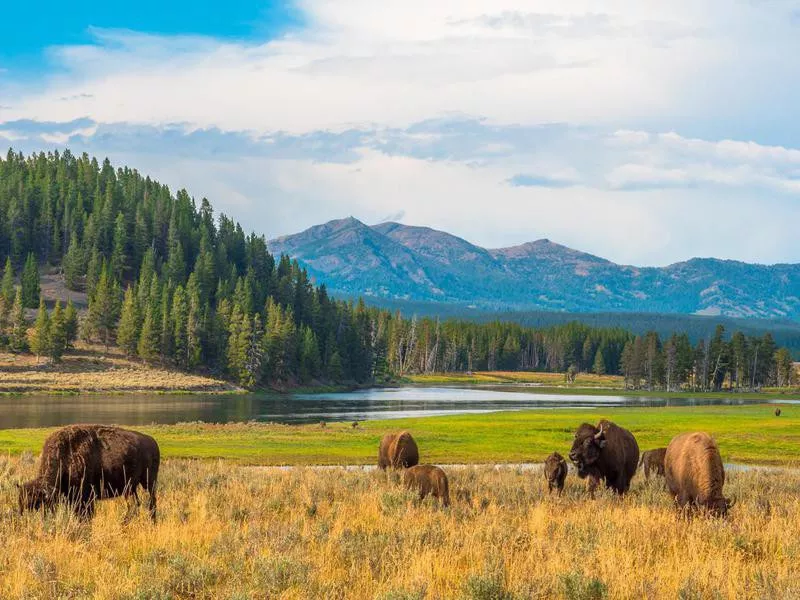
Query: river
x,y
376,403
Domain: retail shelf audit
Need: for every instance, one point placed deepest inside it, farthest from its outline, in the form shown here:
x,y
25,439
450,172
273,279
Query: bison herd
x,y
81,464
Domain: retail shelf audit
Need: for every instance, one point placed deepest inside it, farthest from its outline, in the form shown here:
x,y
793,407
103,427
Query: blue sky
x,y
646,132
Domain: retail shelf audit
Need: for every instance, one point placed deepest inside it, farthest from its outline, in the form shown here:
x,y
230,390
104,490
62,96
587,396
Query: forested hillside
x,y
169,283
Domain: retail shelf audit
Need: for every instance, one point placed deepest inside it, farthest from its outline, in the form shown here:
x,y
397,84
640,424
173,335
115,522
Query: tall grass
x,y
228,531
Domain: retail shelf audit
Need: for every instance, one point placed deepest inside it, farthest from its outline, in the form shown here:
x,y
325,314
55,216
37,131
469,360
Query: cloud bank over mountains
x,y
648,132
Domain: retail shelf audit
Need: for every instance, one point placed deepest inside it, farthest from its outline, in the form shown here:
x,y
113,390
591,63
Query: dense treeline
x,y
169,283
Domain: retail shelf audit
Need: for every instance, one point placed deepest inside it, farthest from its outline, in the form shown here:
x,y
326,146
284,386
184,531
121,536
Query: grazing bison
x,y
777,412
653,461
555,471
605,452
694,472
428,480
398,451
85,463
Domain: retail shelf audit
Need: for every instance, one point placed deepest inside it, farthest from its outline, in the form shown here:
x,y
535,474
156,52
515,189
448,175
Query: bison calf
x,y
397,451
428,480
85,463
555,471
694,472
652,461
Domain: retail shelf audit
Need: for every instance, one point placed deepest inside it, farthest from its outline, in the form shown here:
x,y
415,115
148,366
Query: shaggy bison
x,y
555,471
605,452
85,463
398,451
428,480
777,412
653,461
694,472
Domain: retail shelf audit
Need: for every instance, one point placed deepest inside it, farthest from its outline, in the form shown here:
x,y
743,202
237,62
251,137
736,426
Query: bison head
x,y
586,447
720,506
33,496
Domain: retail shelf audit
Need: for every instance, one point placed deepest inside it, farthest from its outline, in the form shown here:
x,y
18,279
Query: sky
x,y
644,132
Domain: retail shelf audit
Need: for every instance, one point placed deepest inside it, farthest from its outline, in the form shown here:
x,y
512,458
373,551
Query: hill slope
x,y
395,261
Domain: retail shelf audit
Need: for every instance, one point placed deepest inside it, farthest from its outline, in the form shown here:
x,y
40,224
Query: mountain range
x,y
392,261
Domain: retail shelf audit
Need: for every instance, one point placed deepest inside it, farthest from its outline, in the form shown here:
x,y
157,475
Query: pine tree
x,y
70,324
30,282
18,340
7,290
309,356
74,264
128,332
599,365
180,317
104,308
253,337
119,253
149,340
39,336
58,333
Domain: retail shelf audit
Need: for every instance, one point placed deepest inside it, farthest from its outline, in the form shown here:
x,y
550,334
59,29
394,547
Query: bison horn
x,y
599,435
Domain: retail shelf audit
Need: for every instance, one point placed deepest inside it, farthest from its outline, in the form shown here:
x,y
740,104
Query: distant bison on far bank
x,y
777,412
85,463
555,471
428,480
398,451
606,452
652,461
695,474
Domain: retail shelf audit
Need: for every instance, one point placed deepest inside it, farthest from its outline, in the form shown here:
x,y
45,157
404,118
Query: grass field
x,y
230,532
91,368
585,380
748,434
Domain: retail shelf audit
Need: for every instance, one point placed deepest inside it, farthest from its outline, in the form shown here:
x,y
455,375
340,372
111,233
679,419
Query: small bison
x,y
605,452
694,472
555,471
398,451
85,463
428,480
777,412
652,461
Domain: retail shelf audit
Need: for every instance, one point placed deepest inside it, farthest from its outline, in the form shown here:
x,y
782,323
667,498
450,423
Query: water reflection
x,y
50,411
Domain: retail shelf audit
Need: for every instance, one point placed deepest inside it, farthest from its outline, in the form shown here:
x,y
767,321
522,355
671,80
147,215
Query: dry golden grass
x,y
583,380
92,369
226,531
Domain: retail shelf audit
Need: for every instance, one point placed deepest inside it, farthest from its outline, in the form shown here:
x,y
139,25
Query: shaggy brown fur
x,y
694,472
85,463
653,461
428,480
777,412
555,471
605,452
398,451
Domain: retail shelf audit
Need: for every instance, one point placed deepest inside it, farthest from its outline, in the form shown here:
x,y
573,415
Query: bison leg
x,y
591,485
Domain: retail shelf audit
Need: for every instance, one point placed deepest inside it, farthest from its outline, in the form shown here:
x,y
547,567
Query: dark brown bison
x,y
694,472
398,451
605,452
653,461
777,412
555,471
428,480
85,463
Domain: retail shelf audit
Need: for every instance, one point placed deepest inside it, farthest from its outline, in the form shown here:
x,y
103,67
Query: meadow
x,y
746,434
234,532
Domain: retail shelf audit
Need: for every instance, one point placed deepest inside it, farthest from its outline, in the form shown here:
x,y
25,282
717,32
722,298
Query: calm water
x,y
48,411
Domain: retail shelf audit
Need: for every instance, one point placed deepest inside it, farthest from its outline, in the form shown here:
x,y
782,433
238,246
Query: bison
x,y
85,463
605,452
694,472
398,451
555,471
777,412
653,461
428,480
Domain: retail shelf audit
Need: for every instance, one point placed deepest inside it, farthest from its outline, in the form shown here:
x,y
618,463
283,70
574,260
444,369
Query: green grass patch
x,y
747,434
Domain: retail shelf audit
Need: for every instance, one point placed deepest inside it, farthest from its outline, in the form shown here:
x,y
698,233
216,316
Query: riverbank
x,y
92,369
749,434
